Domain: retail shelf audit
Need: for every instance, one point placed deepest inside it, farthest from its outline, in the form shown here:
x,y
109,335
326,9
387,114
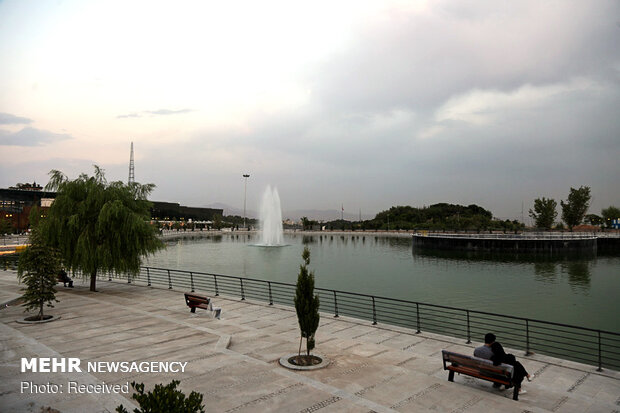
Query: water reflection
x,y
9,262
579,274
547,268
308,239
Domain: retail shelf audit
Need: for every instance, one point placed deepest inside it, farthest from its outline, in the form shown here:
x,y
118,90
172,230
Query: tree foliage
x,y
442,216
164,399
99,226
610,214
544,212
6,227
576,206
38,269
306,303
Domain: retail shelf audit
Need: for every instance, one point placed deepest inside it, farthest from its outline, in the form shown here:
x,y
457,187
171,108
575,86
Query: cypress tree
x,y
306,304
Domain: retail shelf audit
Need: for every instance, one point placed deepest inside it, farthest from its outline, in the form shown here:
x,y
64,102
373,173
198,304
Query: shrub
x,y
164,399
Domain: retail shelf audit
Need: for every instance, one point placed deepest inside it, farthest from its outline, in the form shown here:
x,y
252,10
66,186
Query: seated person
x,y
494,351
64,278
485,352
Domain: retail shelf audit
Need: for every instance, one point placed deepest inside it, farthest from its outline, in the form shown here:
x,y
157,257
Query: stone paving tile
x,y
373,368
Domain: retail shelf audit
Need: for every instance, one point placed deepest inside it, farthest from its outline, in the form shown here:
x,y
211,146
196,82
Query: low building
x,y
170,211
17,202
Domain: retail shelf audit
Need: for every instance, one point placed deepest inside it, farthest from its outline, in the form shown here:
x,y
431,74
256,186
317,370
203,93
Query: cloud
x,y
159,112
168,111
31,137
129,115
8,119
419,60
483,107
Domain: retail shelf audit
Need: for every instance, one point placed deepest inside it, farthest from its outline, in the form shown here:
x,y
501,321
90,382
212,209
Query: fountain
x,y
271,219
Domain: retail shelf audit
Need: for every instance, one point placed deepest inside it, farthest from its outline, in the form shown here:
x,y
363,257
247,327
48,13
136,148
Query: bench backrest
x,y
195,299
482,365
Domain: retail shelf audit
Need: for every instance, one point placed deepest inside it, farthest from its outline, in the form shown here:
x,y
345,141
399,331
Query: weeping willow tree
x,y
99,227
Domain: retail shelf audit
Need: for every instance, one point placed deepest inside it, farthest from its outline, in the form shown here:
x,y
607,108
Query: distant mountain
x,y
296,214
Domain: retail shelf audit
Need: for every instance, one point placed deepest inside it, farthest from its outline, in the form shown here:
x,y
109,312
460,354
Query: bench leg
x,y
193,310
515,394
451,375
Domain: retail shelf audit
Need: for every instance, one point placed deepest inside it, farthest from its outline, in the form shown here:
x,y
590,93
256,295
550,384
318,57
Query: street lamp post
x,y
245,191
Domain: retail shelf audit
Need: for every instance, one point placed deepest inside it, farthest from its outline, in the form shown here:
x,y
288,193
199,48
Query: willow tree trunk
x,y
93,281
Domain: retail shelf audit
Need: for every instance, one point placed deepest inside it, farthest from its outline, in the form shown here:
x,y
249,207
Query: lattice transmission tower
x,y
132,176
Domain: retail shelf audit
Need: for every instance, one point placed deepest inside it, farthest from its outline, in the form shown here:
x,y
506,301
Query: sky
x,y
359,105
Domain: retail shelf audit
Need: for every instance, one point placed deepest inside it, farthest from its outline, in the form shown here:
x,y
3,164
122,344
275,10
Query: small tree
x,y
544,212
306,304
6,227
609,214
593,219
576,206
164,399
38,269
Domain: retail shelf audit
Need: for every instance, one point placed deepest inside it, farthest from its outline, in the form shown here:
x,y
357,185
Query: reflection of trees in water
x,y
577,266
9,262
545,271
578,274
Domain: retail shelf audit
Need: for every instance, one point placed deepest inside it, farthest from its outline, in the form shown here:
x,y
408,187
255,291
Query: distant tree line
x,y
442,216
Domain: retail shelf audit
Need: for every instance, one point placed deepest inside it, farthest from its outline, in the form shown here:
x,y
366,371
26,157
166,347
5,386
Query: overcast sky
x,y
365,104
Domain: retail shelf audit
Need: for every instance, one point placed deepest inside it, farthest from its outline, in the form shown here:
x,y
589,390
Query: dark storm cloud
x,y
495,103
418,61
30,137
8,119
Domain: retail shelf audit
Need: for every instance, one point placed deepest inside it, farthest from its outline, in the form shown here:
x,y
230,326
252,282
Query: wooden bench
x,y
64,279
195,301
479,368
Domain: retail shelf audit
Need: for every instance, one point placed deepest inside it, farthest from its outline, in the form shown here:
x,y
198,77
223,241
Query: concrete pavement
x,y
233,362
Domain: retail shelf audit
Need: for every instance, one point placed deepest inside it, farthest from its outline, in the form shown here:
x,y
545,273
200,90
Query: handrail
x,y
583,344
522,236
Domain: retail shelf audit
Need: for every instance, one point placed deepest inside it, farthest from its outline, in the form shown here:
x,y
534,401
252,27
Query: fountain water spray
x,y
271,218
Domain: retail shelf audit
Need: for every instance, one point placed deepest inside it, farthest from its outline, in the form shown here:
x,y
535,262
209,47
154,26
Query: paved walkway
x,y
233,362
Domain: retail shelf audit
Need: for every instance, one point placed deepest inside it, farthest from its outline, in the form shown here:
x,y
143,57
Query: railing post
x,y
148,277
270,299
527,337
217,292
468,329
600,356
374,312
242,292
417,315
335,305
169,281
191,280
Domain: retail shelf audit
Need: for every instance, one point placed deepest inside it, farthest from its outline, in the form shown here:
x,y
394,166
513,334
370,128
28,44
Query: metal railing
x,y
509,236
585,345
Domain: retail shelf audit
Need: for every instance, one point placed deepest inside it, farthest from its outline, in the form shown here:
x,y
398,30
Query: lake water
x,y
581,291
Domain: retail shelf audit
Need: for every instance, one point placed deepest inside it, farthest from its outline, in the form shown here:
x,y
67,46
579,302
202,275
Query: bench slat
x,y
479,368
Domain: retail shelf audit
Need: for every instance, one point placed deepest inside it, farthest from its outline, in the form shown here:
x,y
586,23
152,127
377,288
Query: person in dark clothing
x,y
500,356
65,279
